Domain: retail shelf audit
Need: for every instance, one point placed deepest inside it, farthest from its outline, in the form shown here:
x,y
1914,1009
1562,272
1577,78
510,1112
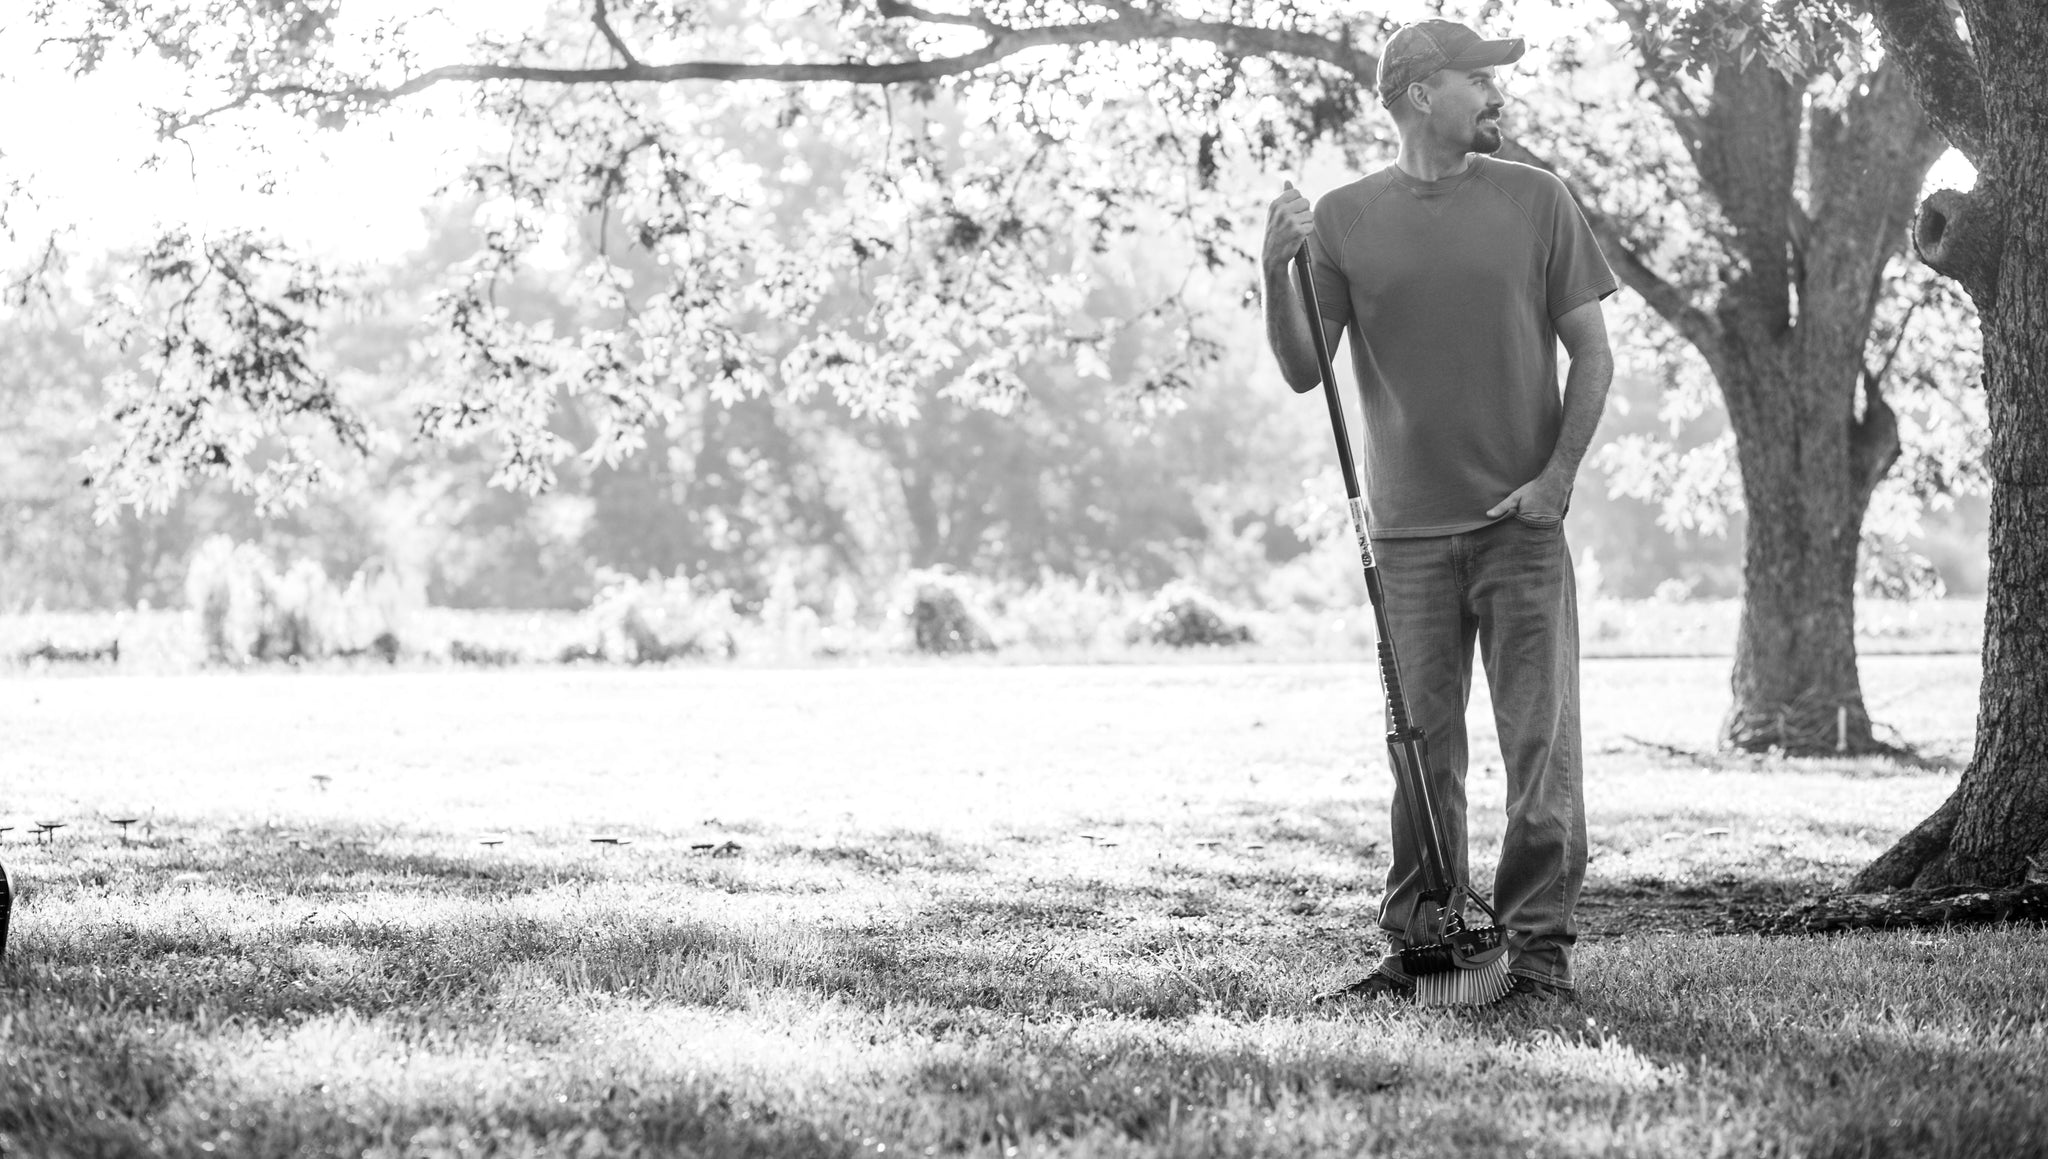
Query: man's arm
x,y
1288,224
1583,330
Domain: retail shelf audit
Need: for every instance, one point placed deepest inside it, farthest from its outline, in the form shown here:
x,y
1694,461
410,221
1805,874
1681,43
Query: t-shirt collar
x,y
1423,188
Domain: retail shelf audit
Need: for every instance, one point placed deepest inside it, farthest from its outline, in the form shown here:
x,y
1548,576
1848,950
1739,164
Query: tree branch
x,y
602,19
1132,24
1922,36
977,19
1667,89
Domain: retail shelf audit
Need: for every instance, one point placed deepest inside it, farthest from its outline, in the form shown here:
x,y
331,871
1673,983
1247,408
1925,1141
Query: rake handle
x,y
1408,746
1390,668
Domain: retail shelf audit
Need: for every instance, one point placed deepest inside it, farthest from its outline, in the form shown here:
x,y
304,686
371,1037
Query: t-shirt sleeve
x,y
1577,272
1333,290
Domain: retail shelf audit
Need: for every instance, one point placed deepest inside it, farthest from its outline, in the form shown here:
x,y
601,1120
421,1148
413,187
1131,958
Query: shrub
x,y
227,585
942,617
376,611
301,612
248,611
1182,617
659,619
482,655
1064,612
790,627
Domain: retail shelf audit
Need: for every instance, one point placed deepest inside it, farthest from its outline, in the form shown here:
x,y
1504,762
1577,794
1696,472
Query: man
x,y
1455,274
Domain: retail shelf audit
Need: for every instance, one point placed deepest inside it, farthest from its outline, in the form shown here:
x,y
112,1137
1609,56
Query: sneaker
x,y
1377,986
1530,992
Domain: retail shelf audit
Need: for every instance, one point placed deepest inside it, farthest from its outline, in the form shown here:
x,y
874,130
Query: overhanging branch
x,y
600,17
1922,36
1132,24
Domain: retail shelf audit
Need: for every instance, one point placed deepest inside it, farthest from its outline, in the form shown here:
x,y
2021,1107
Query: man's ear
x,y
1417,96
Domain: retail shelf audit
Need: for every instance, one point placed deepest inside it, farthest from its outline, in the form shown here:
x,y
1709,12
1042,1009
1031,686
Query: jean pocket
x,y
1540,522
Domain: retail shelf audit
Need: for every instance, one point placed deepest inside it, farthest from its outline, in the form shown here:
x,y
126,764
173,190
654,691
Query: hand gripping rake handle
x,y
1408,744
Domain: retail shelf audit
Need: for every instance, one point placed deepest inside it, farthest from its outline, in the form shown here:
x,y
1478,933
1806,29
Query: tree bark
x,y
1795,682
1788,355
1994,241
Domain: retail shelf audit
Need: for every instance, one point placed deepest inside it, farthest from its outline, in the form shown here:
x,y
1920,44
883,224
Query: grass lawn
x,y
967,908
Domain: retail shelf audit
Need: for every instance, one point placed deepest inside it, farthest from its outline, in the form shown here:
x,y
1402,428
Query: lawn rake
x,y
1453,964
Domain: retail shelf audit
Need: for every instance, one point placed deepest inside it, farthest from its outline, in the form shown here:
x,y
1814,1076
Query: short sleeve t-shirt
x,y
1451,290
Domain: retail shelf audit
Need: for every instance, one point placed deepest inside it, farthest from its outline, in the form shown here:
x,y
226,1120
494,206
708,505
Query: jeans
x,y
1508,586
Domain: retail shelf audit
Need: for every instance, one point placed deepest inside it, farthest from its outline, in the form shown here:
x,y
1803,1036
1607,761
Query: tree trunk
x,y
1795,683
1786,345
1995,242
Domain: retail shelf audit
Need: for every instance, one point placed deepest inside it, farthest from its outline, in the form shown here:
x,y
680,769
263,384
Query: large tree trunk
x,y
1795,684
1994,830
1788,353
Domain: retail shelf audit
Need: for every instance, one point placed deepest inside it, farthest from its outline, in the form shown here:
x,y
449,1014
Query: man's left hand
x,y
1541,499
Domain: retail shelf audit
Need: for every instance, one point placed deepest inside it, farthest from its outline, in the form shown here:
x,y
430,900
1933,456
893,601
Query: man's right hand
x,y
1289,222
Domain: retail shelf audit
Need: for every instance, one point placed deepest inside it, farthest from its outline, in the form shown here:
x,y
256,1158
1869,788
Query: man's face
x,y
1464,109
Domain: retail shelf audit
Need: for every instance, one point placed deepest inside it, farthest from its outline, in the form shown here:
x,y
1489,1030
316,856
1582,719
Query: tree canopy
x,y
1748,165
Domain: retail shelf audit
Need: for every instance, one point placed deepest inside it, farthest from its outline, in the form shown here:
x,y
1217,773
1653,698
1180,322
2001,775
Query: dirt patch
x,y
1609,909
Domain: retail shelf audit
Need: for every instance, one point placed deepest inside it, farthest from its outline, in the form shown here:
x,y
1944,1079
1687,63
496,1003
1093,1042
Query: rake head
x,y
1466,968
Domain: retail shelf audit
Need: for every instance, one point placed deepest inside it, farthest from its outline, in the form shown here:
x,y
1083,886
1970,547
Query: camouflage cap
x,y
1417,51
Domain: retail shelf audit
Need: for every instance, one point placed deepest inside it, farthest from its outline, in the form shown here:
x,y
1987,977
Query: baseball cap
x,y
1416,51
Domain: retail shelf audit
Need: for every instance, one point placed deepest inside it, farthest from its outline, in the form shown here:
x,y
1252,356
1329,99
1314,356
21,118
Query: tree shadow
x,y
1062,1009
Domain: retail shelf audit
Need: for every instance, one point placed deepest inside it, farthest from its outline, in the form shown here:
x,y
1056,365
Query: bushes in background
x,y
659,619
247,610
943,621
1060,612
1180,616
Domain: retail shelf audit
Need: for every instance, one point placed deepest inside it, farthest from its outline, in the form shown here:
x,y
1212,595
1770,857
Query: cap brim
x,y
1488,53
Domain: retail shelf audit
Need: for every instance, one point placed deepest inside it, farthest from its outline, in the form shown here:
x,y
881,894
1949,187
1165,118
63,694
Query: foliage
x,y
225,329
1061,612
938,607
782,286
661,618
1182,616
225,588
944,240
247,610
1923,354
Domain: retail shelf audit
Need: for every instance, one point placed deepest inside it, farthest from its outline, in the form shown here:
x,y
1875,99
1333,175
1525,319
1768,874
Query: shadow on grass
x,y
997,981
1913,1088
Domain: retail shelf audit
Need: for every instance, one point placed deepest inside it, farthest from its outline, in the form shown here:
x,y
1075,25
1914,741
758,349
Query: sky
x,y
84,144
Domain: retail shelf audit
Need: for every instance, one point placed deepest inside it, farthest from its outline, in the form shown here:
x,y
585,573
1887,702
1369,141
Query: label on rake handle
x,y
1358,528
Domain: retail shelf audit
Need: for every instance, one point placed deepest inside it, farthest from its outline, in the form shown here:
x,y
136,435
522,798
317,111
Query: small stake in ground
x,y
124,822
46,831
4,831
